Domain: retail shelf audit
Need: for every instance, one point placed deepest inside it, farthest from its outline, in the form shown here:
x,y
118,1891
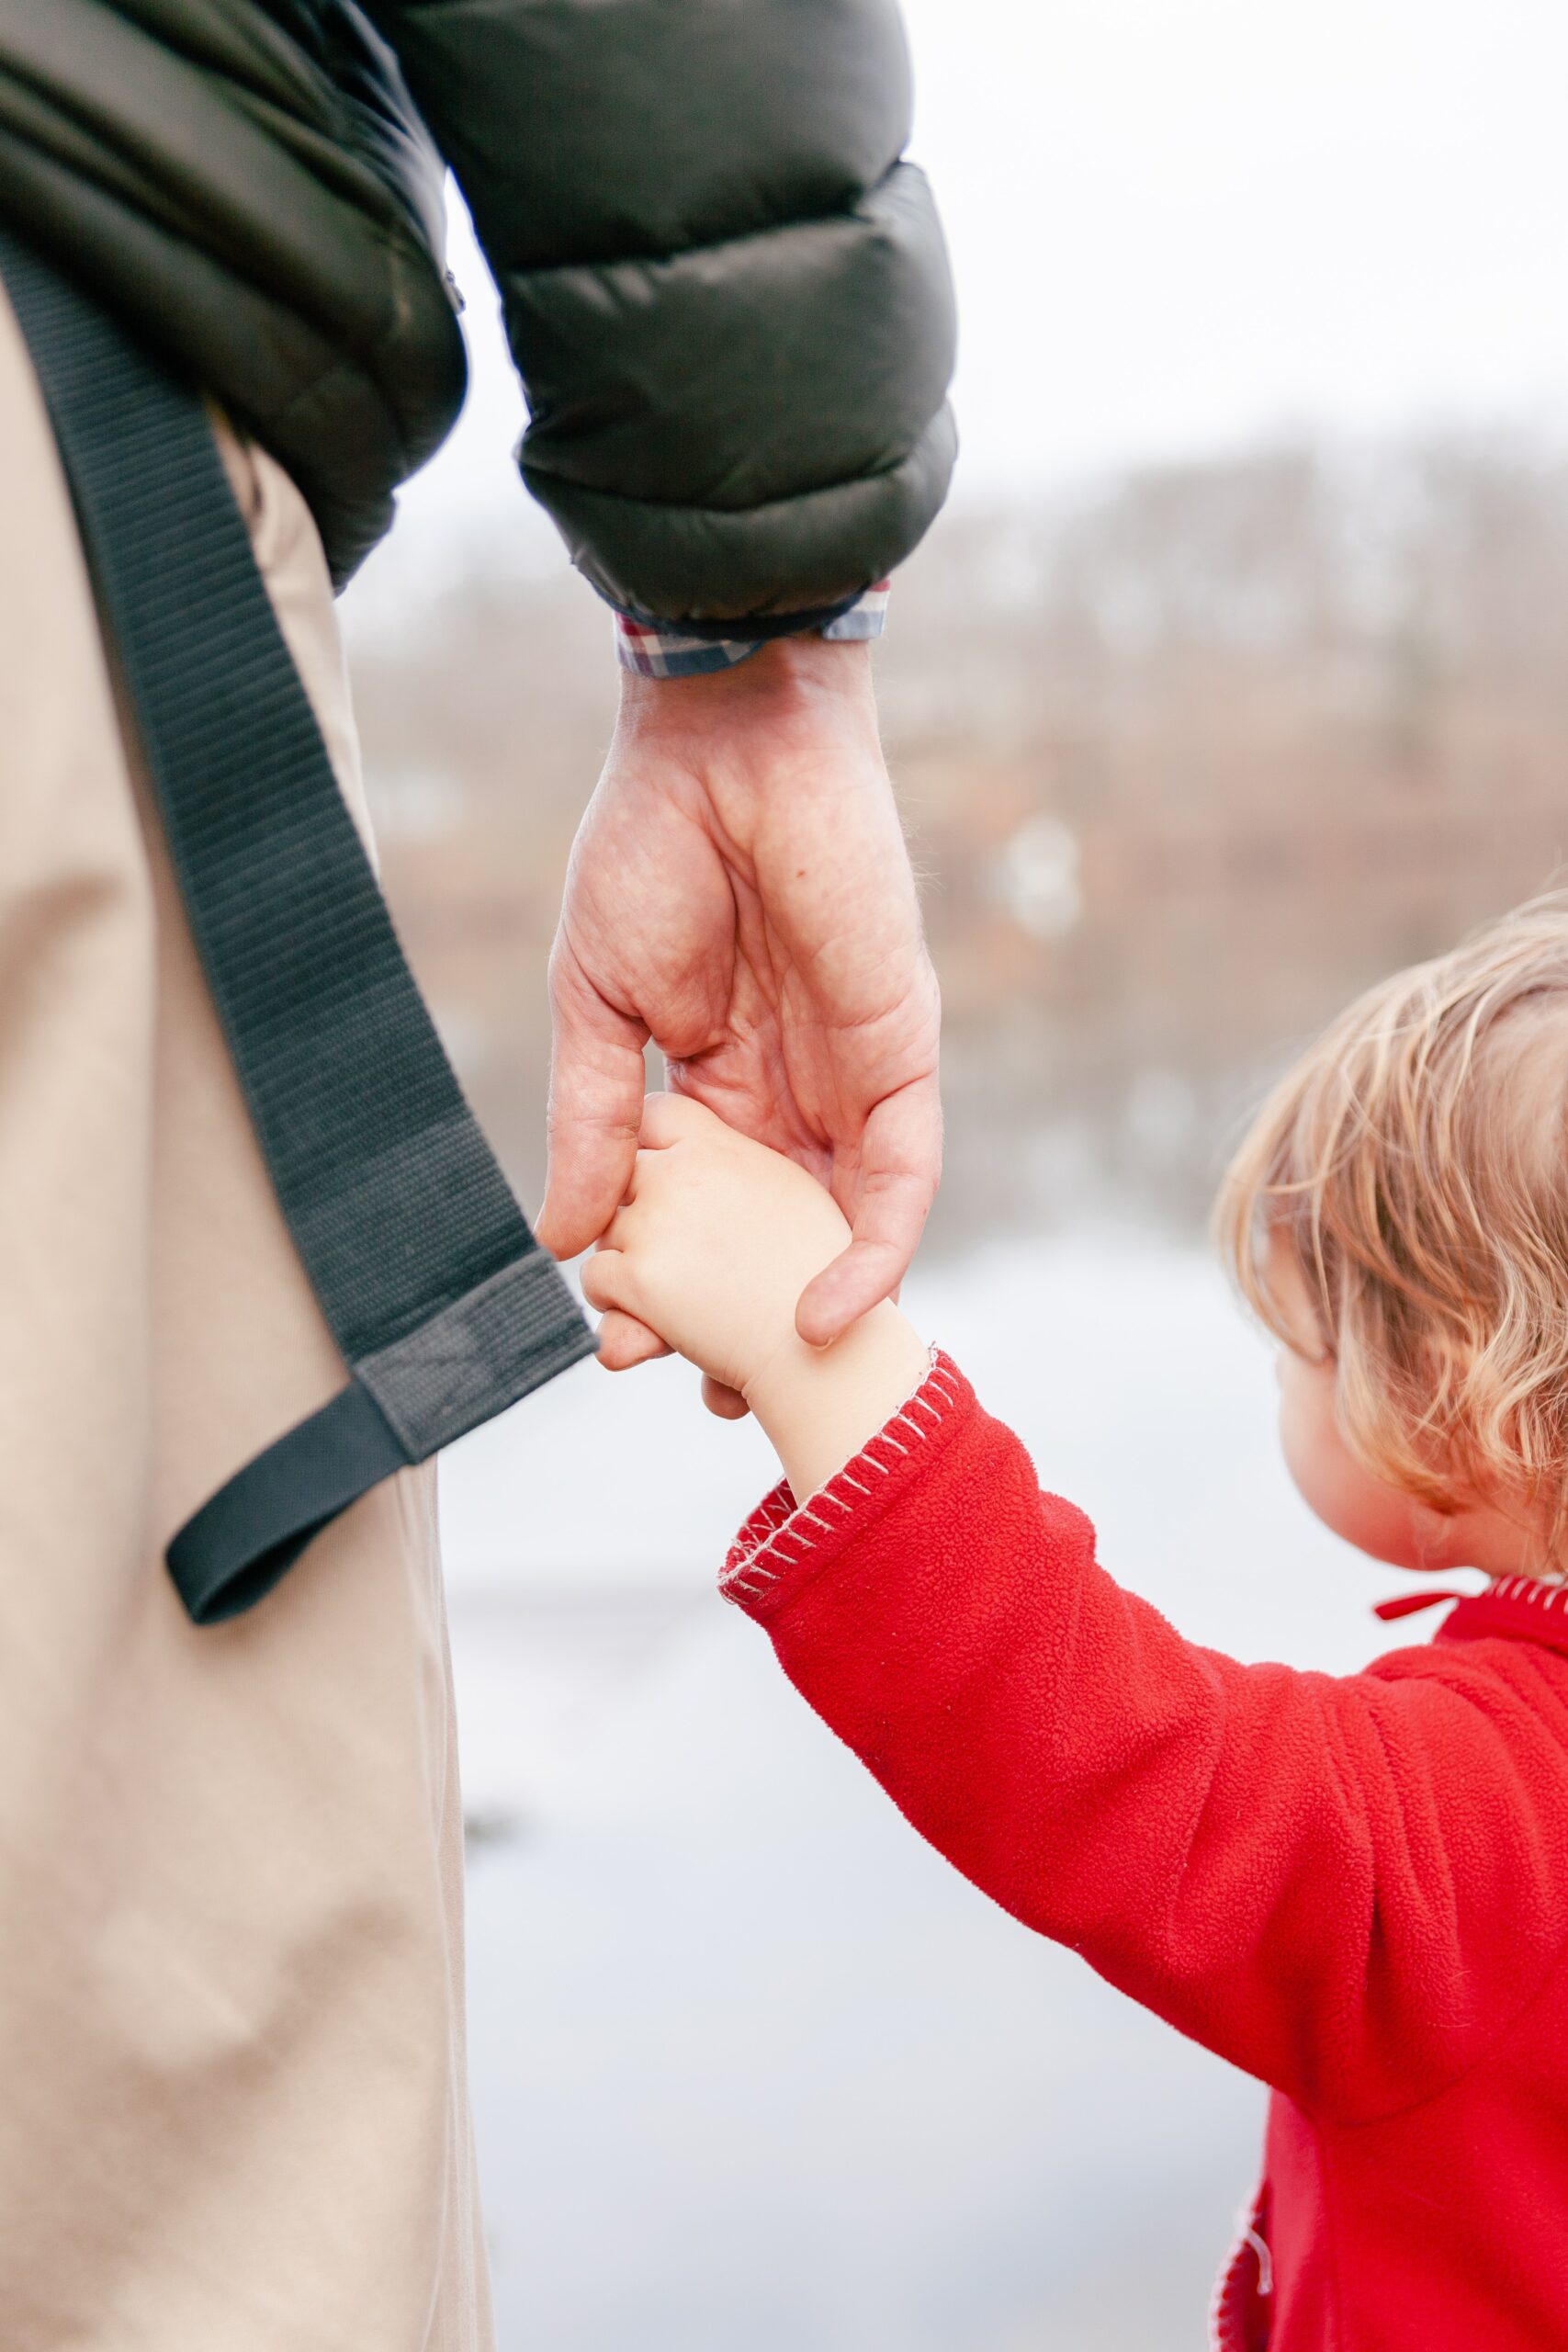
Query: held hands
x,y
715,1243
740,893
716,1240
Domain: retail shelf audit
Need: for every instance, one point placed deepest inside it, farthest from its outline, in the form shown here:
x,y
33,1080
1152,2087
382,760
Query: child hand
x,y
716,1240
715,1243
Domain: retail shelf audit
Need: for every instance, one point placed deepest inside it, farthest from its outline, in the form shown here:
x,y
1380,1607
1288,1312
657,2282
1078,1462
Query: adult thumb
x,y
596,1084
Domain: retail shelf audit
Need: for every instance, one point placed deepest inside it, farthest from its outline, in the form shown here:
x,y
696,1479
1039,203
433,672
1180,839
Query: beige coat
x,y
233,2105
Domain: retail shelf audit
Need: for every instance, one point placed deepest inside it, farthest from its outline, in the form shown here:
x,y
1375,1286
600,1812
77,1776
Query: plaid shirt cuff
x,y
653,652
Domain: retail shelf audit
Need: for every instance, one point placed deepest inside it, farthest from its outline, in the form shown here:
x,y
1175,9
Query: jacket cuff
x,y
653,648
786,1545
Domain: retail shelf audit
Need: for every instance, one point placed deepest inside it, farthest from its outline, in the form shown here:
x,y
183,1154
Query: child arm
x,y
1346,1887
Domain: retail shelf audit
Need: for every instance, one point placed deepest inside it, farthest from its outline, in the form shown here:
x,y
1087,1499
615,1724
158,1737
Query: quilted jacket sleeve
x,y
726,295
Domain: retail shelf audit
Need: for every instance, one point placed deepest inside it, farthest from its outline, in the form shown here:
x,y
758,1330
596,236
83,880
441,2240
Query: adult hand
x,y
739,892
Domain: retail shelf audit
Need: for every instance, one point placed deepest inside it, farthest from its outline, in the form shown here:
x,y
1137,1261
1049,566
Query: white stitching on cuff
x,y
777,1529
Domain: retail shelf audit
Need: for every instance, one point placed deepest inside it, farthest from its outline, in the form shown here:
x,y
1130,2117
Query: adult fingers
x,y
900,1166
596,1075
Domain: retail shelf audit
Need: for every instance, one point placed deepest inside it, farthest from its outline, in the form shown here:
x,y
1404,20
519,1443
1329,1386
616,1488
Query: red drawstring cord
x,y
1406,1604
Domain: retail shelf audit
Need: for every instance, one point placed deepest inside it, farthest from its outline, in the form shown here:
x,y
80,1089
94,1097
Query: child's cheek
x,y
1305,1445
1349,1501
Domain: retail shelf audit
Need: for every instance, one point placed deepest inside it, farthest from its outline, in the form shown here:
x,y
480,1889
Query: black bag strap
x,y
443,1303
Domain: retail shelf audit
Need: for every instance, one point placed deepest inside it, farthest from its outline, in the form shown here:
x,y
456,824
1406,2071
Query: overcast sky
x,y
1177,224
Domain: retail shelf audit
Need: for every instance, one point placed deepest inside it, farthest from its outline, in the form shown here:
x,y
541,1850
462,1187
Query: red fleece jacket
x,y
1355,1888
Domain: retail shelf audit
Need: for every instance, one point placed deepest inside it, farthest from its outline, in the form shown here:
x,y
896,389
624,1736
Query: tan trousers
x,y
233,2104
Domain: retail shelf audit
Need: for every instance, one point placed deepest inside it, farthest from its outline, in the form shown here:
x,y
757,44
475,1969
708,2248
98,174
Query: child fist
x,y
716,1241
713,1247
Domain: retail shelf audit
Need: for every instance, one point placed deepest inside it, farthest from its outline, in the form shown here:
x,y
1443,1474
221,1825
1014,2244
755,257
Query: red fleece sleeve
x,y
1348,1886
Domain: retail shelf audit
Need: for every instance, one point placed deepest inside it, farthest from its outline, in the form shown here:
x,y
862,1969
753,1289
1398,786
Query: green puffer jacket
x,y
727,298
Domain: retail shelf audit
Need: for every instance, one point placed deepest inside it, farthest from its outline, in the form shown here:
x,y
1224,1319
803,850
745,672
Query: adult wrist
x,y
797,677
674,648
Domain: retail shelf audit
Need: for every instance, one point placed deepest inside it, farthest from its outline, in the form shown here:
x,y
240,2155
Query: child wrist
x,y
777,1375
817,1406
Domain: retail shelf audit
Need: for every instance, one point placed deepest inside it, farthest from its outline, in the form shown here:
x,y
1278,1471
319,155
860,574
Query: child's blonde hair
x,y
1416,1164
